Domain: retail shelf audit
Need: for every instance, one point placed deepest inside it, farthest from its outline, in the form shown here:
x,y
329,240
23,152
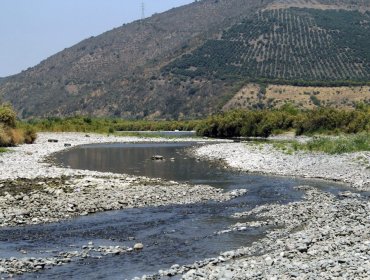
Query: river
x,y
171,234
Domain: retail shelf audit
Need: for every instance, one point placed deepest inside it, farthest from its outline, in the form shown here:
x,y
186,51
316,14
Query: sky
x,y
32,30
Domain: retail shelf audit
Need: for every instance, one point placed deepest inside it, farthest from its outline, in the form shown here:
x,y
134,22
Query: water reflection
x,y
136,159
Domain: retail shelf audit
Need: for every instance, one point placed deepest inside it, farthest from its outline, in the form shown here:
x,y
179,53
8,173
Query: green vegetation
x,y
11,133
263,123
144,134
331,145
2,150
106,125
343,144
289,46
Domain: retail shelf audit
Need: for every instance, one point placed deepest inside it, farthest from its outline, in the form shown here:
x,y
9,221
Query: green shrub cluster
x,y
262,123
107,125
10,132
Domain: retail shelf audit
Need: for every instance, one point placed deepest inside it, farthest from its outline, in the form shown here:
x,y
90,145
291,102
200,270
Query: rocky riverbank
x,y
35,201
14,266
321,237
33,191
29,161
353,168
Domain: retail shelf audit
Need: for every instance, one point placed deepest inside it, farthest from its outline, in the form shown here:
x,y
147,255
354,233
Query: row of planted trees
x,y
10,132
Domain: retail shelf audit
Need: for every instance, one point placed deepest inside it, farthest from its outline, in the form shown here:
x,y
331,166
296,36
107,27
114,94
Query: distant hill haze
x,y
191,61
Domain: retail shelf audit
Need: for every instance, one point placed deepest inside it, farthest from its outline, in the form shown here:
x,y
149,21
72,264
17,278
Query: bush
x,y
16,136
7,116
10,134
30,135
263,123
4,136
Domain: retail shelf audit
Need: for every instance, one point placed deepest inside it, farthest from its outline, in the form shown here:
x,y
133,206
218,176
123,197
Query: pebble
x,y
138,246
50,193
266,159
332,241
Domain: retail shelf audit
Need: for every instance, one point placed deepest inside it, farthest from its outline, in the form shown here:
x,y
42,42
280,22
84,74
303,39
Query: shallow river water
x,y
171,234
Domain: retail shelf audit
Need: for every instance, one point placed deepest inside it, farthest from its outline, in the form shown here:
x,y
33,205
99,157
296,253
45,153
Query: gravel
x,y
351,168
33,191
321,237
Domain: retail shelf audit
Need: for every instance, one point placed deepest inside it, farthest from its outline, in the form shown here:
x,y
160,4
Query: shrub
x,y
265,122
30,135
7,116
16,136
10,133
4,136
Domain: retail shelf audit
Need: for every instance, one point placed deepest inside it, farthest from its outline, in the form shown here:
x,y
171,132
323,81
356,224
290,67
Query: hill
x,y
188,62
294,44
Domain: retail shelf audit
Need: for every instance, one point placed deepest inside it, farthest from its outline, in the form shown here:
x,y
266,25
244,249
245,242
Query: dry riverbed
x,y
322,237
352,168
33,191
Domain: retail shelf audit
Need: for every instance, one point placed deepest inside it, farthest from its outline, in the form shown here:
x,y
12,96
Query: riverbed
x,y
100,245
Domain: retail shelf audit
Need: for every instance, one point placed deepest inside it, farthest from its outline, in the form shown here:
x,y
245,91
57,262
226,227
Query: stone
x,y
138,246
157,157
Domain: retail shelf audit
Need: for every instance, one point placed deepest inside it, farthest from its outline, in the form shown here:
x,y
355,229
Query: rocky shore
x,y
353,168
29,161
14,266
34,191
322,237
52,199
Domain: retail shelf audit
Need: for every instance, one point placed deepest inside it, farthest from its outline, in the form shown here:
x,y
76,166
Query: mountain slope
x,y
287,44
188,61
105,75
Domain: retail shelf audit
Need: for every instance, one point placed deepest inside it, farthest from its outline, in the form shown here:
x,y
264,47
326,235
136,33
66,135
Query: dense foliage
x,y
263,123
296,46
252,123
10,132
107,125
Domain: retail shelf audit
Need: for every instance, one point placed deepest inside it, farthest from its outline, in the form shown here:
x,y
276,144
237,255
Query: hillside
x,y
291,44
253,96
188,62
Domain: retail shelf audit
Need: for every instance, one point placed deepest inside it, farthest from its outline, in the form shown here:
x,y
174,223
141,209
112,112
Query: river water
x,y
171,234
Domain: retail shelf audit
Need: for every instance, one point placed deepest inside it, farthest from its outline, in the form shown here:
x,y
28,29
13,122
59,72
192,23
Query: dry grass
x,y
5,138
316,5
17,136
276,96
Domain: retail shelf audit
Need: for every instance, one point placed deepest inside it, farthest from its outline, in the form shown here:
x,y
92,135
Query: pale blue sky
x,y
32,30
